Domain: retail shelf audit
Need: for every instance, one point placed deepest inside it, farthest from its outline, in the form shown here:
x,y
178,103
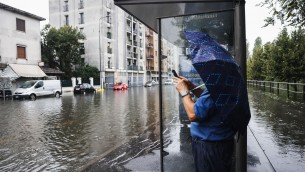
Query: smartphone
x,y
175,73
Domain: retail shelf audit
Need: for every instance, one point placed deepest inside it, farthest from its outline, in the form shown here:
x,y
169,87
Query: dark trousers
x,y
213,156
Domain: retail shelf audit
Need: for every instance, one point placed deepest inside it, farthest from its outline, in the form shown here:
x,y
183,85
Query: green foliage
x,y
61,48
281,60
86,71
287,11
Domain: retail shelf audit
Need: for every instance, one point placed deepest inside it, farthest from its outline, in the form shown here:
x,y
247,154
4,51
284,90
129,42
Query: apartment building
x,y
113,38
169,57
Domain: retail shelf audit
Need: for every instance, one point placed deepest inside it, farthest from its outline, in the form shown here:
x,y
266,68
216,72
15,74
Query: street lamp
x,y
102,65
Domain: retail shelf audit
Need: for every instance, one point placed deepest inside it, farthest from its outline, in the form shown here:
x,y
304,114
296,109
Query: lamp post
x,y
102,63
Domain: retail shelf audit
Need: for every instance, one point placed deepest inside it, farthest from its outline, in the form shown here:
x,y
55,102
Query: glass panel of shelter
x,y
176,126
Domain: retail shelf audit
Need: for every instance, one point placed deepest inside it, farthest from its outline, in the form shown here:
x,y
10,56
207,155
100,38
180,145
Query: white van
x,y
36,88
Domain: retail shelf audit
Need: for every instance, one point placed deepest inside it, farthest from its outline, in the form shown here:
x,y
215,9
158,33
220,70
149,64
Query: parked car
x,y
7,93
148,84
168,82
120,86
83,88
37,88
154,82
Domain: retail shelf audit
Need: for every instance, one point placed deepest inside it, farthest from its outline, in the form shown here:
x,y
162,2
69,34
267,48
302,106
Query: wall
x,y
10,37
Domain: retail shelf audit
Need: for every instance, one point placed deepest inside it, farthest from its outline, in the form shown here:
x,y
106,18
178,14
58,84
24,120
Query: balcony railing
x,y
149,56
149,45
149,33
132,67
149,68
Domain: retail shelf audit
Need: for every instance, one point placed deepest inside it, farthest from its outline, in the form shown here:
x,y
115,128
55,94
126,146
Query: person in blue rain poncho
x,y
221,110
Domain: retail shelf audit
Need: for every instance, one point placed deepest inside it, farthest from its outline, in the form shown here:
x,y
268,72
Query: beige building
x,y
169,56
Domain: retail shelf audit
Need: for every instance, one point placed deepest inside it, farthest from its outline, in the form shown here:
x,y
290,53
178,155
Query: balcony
x,y
135,31
132,67
149,68
150,57
149,45
149,33
128,41
135,43
128,29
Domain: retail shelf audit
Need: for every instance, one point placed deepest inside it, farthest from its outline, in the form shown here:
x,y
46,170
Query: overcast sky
x,y
254,17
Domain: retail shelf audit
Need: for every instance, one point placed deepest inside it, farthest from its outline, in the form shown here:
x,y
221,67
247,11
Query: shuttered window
x,y
20,25
21,52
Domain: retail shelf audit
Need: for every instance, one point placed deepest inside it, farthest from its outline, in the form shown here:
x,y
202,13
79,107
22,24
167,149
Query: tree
x,y
280,56
289,11
61,48
86,72
257,62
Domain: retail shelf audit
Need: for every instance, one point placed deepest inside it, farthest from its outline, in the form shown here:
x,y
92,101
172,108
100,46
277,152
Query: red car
x,y
120,86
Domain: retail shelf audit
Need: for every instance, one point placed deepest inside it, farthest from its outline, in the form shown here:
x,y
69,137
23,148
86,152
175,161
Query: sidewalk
x,y
178,156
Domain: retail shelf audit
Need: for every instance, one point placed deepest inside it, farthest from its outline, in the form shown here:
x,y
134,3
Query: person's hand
x,y
190,85
181,84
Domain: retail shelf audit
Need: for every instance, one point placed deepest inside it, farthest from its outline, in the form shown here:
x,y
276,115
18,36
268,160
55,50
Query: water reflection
x,y
279,125
71,132
66,133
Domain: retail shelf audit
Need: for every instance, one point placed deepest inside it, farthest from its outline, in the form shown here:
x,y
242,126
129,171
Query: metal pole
x,y
100,51
240,52
160,95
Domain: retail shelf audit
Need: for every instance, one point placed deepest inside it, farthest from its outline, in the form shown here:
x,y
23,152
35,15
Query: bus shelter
x,y
223,20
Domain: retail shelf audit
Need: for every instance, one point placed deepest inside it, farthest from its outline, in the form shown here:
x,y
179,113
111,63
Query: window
x,y
20,25
108,18
81,4
66,6
21,52
82,48
66,20
81,18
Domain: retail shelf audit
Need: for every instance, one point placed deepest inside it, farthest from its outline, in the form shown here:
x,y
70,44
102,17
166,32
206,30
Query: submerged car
x,y
148,84
83,88
168,82
120,86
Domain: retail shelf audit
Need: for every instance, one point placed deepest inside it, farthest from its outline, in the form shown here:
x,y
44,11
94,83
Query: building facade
x,y
20,49
113,38
19,37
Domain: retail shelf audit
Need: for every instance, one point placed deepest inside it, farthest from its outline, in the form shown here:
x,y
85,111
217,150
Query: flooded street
x,y
278,124
71,132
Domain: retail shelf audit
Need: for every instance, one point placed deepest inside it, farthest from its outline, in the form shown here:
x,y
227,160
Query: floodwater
x,y
68,133
278,125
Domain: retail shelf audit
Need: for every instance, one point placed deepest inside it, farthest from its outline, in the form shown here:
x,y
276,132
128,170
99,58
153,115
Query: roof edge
x,y
18,11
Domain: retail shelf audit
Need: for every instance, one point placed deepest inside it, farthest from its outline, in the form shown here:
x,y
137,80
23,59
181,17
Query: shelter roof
x,y
170,8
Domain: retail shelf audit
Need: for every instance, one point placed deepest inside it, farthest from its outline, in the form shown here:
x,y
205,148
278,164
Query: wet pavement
x,y
119,131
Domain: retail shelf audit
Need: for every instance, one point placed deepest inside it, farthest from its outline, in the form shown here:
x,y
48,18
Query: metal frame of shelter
x,y
159,9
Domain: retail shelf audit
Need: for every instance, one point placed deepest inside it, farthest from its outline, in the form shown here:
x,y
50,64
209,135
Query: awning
x,y
169,8
32,71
